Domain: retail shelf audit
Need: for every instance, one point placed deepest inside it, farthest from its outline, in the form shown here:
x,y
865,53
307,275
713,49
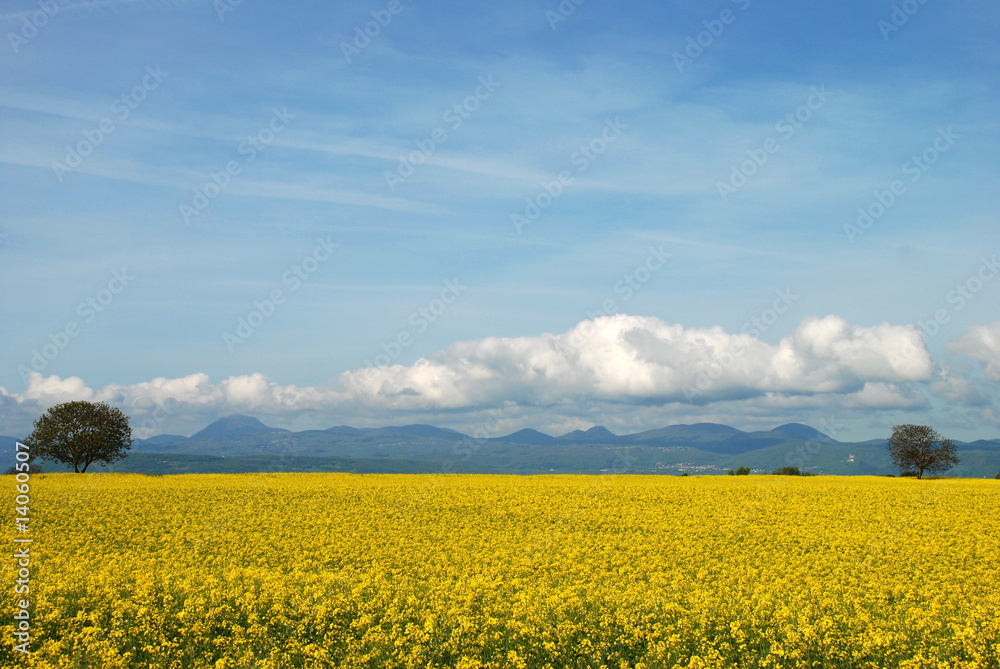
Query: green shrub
x,y
739,471
792,471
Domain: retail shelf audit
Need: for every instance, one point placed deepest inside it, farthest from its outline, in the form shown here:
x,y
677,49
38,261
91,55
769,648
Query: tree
x,y
80,434
921,448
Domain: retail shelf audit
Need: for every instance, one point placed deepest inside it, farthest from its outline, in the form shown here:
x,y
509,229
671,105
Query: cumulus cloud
x,y
253,391
982,344
161,404
598,365
886,396
959,390
634,359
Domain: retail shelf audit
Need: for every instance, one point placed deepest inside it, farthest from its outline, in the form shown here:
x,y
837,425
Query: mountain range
x,y
710,436
240,443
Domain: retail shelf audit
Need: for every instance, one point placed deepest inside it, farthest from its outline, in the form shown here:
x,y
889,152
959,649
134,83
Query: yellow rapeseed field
x,y
340,570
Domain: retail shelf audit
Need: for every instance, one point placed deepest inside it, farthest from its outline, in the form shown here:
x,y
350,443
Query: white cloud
x,y
184,404
629,366
53,390
959,390
886,396
982,344
637,359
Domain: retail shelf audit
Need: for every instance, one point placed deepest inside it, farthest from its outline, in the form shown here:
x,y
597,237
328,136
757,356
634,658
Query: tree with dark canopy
x,y
80,434
921,449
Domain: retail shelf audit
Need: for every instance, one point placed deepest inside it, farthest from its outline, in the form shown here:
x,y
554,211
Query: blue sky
x,y
413,224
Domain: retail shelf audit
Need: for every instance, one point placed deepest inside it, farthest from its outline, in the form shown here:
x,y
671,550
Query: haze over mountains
x,y
239,443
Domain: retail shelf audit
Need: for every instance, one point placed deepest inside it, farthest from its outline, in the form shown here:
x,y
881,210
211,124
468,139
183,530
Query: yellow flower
x,y
340,570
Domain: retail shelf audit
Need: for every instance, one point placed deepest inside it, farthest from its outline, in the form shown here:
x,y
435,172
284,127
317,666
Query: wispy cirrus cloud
x,y
100,5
